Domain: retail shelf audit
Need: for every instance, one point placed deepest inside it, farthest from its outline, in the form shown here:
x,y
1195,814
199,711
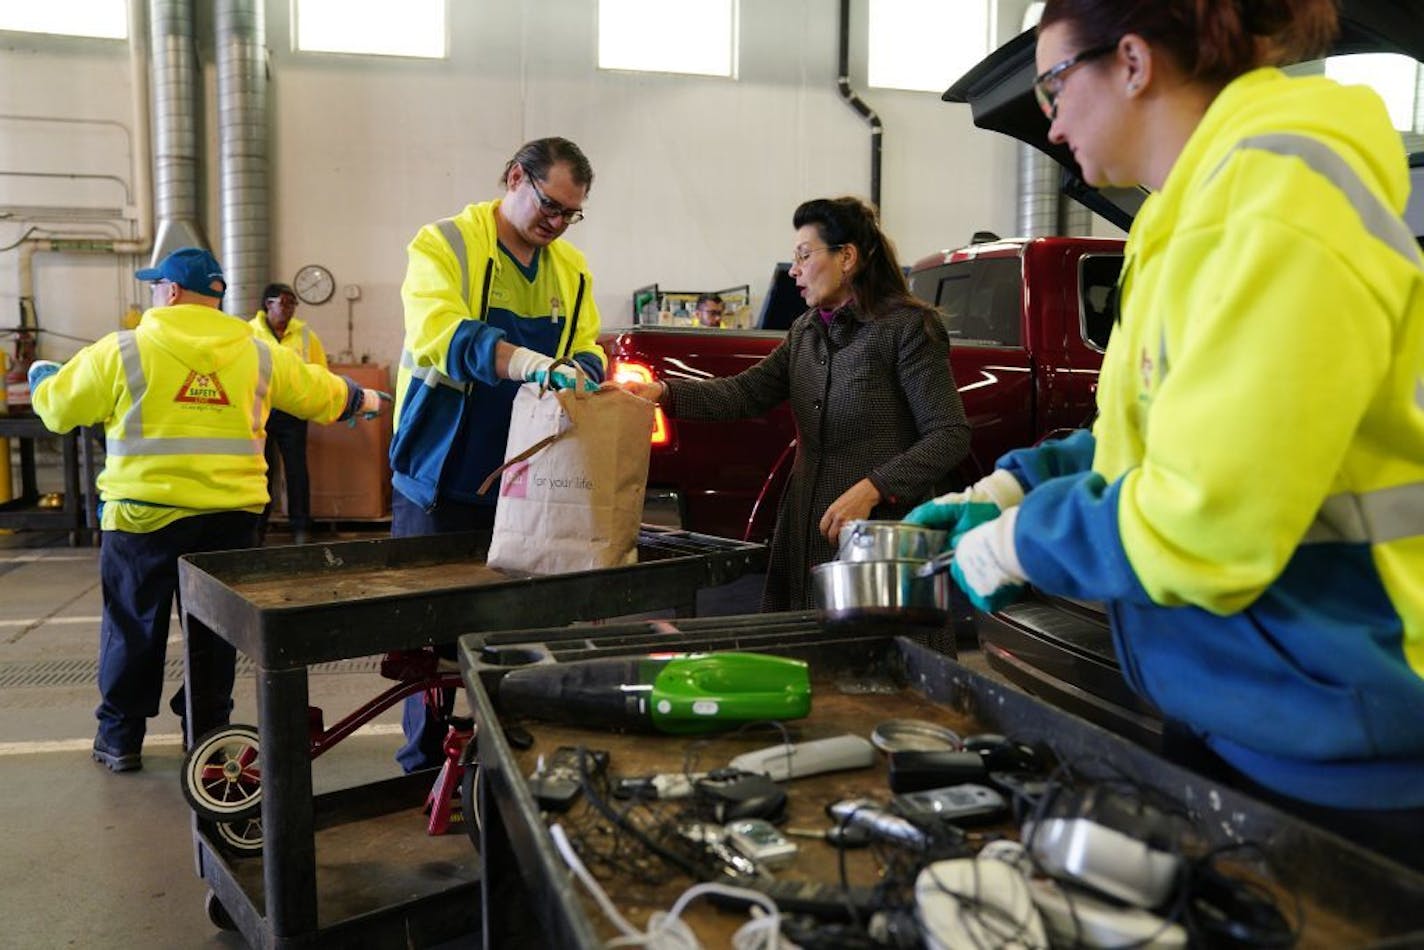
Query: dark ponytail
x,y
1213,41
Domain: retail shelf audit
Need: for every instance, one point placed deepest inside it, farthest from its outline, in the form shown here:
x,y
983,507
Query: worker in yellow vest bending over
x,y
184,399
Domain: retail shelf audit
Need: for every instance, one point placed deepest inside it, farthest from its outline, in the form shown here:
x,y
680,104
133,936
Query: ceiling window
x,y
377,27
668,36
925,45
103,18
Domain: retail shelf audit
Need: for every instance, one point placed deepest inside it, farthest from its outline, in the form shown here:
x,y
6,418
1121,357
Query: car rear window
x,y
981,301
1097,302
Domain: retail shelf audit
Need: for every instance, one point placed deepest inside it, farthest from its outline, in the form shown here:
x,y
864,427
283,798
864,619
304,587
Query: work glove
x,y
41,370
959,511
534,367
373,402
986,564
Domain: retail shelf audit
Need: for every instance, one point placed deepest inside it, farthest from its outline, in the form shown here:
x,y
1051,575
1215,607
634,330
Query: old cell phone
x,y
759,840
556,781
960,804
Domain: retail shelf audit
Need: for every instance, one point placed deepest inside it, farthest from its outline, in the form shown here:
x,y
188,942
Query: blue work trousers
x,y
425,733
139,578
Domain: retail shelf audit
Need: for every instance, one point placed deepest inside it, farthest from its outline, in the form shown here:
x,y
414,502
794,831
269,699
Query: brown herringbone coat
x,y
872,398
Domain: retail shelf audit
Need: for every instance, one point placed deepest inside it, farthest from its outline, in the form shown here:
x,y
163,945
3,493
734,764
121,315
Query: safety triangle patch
x,y
205,389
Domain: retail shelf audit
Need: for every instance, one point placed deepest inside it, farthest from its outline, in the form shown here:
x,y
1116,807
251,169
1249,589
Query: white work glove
x,y
41,370
533,367
986,564
959,511
373,401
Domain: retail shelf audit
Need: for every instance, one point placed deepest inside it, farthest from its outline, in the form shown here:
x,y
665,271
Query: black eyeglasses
x,y
550,208
1049,83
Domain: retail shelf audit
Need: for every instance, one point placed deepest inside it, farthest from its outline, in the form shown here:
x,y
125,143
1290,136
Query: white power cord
x,y
666,929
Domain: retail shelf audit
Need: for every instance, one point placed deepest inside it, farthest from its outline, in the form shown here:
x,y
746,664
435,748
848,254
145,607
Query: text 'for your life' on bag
x,y
572,485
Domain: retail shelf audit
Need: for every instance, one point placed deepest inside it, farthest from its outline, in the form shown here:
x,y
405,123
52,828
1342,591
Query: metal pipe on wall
x,y
142,177
175,126
1038,193
241,36
856,103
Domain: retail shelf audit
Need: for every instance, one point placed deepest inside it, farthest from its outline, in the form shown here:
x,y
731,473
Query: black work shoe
x,y
117,761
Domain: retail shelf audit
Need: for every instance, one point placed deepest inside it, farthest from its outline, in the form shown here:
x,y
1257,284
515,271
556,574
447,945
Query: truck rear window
x,y
1097,280
981,300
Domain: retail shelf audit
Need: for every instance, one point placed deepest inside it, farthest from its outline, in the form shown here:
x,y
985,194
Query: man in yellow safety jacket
x,y
492,296
184,398
277,325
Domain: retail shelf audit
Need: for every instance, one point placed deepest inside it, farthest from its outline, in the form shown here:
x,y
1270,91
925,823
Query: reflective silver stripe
x,y
1377,219
138,385
428,375
1377,517
141,446
456,240
306,344
264,382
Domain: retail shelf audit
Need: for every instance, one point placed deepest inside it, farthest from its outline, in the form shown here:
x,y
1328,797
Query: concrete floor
x,y
99,860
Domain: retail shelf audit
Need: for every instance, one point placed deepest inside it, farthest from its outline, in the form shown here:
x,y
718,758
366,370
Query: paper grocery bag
x,y
571,489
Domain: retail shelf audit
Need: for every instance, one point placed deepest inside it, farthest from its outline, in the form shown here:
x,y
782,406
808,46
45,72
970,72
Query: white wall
x,y
695,178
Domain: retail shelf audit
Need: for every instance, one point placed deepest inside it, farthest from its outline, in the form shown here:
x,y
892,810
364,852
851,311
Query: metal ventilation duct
x,y
1038,193
175,126
242,159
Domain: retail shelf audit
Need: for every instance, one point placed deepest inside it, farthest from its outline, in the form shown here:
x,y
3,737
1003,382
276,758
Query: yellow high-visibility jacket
x,y
184,400
300,338
1254,516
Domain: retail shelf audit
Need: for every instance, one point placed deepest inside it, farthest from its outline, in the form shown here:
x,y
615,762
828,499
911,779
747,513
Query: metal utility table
x,y
1350,896
78,513
289,608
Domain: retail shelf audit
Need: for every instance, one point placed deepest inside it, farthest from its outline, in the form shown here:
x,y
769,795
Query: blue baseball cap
x,y
191,268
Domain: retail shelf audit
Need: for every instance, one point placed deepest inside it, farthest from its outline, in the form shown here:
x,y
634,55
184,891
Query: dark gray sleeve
x,y
754,391
932,398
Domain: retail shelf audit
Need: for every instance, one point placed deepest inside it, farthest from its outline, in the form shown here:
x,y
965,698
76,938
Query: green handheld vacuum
x,y
678,693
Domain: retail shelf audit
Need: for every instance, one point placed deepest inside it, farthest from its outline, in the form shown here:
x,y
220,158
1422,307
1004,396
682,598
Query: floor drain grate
x,y
56,673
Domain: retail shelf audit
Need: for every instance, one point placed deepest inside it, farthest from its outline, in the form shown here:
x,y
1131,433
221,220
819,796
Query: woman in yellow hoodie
x,y
1250,503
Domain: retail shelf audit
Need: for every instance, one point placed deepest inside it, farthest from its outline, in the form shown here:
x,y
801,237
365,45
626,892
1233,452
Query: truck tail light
x,y
630,371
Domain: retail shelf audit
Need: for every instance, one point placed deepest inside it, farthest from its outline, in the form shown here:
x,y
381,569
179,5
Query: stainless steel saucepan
x,y
863,540
888,590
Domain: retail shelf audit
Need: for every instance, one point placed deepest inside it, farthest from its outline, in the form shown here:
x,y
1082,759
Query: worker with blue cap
x,y
184,399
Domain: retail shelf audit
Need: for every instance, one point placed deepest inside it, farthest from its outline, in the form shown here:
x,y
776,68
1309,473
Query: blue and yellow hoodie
x,y
463,294
1253,513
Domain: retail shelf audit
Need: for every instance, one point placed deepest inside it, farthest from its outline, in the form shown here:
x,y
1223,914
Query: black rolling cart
x,y
1349,896
382,882
78,512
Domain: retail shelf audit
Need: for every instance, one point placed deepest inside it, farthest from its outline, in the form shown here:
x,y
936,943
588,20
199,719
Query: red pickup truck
x,y
1027,322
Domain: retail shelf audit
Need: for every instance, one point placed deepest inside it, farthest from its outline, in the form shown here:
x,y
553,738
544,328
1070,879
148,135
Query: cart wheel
x,y
243,836
222,776
218,914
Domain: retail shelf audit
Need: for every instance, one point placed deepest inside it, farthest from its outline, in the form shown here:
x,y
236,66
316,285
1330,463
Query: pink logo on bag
x,y
515,481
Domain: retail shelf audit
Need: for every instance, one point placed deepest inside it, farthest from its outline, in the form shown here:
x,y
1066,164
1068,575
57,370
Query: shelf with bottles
x,y
653,306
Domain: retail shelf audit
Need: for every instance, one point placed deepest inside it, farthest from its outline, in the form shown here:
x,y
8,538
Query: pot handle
x,y
935,565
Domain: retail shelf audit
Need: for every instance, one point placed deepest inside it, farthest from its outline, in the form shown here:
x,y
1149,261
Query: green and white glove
x,y
960,511
986,564
534,367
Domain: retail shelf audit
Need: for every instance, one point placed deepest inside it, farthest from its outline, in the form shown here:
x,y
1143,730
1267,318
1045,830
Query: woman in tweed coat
x,y
878,418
